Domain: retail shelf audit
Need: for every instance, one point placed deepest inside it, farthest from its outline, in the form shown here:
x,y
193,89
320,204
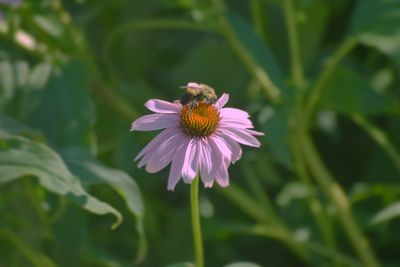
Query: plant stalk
x,y
197,237
380,138
297,68
339,199
331,65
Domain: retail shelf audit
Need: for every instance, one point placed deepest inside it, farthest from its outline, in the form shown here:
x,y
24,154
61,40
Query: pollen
x,y
200,120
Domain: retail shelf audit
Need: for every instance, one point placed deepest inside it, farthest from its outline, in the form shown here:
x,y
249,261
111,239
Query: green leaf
x,y
348,92
376,23
258,50
91,172
39,76
36,258
63,109
380,17
69,244
20,157
293,192
274,121
312,18
389,213
242,264
7,83
10,127
14,79
49,24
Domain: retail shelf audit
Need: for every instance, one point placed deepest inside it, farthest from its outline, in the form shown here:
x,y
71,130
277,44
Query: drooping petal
x,y
220,169
222,175
220,145
234,147
241,136
159,139
176,165
155,122
206,164
161,106
222,101
190,163
164,152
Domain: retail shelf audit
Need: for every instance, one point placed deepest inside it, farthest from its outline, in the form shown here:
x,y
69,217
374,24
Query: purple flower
x,y
202,138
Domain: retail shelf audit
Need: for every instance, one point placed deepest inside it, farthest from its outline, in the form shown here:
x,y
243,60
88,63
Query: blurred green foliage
x,y
321,78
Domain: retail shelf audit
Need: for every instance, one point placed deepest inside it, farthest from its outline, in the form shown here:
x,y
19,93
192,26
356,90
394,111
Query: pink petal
x,y
236,122
222,176
234,113
190,163
205,164
255,133
158,140
161,106
241,136
220,169
177,164
164,152
222,101
155,122
220,145
234,147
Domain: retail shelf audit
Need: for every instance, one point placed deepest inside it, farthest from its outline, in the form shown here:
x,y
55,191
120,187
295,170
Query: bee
x,y
195,93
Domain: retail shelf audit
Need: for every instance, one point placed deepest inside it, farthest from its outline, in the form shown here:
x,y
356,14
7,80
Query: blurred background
x,y
321,78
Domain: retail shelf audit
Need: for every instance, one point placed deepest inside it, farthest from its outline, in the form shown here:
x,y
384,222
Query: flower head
x,y
199,137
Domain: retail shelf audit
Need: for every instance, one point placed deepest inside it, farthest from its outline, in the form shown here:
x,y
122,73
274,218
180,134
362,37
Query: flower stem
x,y
257,16
197,238
380,138
254,68
331,65
297,69
334,191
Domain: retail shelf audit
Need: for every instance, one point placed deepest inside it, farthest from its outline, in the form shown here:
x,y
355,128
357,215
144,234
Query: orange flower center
x,y
199,120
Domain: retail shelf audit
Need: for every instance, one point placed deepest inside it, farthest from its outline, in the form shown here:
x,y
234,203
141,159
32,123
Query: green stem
x,y
197,237
332,62
35,200
268,217
271,90
339,199
114,101
36,258
245,203
297,69
258,191
379,137
313,202
300,165
262,230
257,16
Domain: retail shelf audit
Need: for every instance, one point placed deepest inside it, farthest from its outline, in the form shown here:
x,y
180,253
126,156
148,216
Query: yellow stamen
x,y
200,120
